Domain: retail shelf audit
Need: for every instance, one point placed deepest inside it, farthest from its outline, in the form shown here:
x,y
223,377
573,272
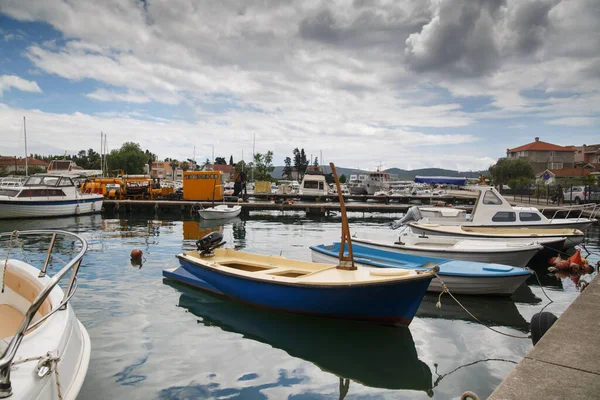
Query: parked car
x,y
579,194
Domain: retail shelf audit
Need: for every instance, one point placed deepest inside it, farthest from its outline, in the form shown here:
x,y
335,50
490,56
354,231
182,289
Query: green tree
x,y
130,158
300,162
343,178
316,163
287,169
231,160
185,166
512,172
263,166
220,161
174,164
206,164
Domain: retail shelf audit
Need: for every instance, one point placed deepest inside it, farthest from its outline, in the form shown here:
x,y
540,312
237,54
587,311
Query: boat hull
x,y
222,213
384,302
12,209
570,242
517,257
457,284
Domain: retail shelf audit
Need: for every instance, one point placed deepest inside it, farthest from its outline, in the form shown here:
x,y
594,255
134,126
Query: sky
x,y
365,83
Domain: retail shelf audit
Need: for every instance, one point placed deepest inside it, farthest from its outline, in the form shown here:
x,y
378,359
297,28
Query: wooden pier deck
x,y
308,207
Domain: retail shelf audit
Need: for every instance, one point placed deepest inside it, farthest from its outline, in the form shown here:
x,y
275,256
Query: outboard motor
x,y
413,214
207,244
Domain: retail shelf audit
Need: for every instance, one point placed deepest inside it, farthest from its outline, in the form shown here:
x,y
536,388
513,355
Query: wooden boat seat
x,y
11,320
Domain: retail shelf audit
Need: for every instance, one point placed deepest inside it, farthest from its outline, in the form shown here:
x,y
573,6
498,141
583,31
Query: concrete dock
x,y
564,364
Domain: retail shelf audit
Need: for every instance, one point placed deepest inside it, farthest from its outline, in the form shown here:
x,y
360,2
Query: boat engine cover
x,y
208,243
413,214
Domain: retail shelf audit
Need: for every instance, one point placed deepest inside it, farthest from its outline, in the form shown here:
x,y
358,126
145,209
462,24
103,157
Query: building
x,y
227,170
588,154
16,165
162,170
544,156
565,175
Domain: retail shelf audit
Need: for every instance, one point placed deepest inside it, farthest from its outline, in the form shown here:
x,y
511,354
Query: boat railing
x,y
72,265
589,210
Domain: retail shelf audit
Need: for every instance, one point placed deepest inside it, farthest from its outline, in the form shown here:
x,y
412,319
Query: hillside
x,y
397,173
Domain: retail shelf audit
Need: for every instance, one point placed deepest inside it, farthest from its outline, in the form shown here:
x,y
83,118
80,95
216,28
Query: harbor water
x,y
155,339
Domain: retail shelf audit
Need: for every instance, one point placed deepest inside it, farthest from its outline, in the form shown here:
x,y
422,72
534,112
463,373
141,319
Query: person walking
x,y
559,195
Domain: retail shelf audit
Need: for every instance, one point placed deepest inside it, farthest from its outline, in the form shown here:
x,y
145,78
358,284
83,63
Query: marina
x,y
141,327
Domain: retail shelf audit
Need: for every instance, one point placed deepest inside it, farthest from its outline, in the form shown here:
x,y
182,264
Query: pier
x,y
564,364
313,208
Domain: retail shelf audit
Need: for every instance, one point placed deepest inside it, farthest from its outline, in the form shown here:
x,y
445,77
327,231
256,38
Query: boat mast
x,y
25,135
102,154
345,262
253,148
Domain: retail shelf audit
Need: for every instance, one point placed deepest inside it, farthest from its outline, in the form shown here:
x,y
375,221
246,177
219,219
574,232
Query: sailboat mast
x,y
25,135
102,154
253,149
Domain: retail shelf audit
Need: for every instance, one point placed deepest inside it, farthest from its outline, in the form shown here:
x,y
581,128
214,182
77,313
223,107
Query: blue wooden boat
x,y
461,277
274,282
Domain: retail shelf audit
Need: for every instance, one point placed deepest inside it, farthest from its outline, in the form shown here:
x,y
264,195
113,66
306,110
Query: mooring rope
x,y
53,362
439,305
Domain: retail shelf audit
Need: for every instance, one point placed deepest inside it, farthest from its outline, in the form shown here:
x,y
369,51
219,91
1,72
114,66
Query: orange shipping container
x,y
203,185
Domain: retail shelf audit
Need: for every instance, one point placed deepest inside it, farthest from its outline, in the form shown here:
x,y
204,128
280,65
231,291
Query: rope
x,y
442,376
53,365
439,305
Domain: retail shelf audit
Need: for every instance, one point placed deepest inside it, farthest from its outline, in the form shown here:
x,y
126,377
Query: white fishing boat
x,y
222,211
486,251
573,236
377,181
45,350
492,210
356,184
47,195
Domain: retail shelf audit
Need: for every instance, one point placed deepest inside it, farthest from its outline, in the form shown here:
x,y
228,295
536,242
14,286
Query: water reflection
x,y
497,311
373,355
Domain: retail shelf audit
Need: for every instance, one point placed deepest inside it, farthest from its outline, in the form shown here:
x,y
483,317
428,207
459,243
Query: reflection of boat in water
x,y
194,230
374,355
77,223
497,311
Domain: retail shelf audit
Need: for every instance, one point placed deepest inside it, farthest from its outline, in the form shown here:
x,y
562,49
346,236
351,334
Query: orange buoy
x,y
576,258
563,264
136,254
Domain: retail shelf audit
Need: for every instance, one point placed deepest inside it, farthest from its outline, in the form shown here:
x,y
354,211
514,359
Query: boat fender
x,y
540,323
136,254
207,244
555,260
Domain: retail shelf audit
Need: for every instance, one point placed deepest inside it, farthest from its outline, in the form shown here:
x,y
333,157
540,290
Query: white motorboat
x,y
356,184
222,211
377,181
573,236
45,350
486,251
313,185
492,210
46,195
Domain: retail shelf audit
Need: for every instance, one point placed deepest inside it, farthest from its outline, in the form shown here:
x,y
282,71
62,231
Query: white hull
x,y
61,334
220,212
570,242
517,256
501,286
31,209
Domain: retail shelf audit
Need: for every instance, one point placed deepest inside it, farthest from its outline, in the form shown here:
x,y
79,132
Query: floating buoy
x,y
540,323
555,260
563,264
576,258
136,254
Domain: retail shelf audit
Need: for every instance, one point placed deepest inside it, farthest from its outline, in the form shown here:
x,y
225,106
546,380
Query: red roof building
x,y
11,165
544,156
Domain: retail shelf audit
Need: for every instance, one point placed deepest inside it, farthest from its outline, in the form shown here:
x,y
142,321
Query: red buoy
x,y
136,254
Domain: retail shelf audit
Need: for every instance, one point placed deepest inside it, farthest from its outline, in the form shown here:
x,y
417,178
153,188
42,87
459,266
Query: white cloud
x,y
390,74
573,121
12,81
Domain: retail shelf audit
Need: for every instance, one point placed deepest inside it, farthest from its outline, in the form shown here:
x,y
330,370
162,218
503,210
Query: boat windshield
x,y
8,192
41,181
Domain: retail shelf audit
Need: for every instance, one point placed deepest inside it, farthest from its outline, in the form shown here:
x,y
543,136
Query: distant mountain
x,y
396,173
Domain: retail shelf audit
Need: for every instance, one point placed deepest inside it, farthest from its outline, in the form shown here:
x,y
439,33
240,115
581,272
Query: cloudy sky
x,y
411,84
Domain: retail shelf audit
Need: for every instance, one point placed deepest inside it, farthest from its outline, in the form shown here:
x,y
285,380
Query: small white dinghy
x,y
45,350
486,251
221,211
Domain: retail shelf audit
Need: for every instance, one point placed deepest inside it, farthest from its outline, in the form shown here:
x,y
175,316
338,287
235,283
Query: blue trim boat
x,y
461,277
274,282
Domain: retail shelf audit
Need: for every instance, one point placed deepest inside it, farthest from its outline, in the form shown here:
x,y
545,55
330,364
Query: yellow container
x,y
203,185
262,187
